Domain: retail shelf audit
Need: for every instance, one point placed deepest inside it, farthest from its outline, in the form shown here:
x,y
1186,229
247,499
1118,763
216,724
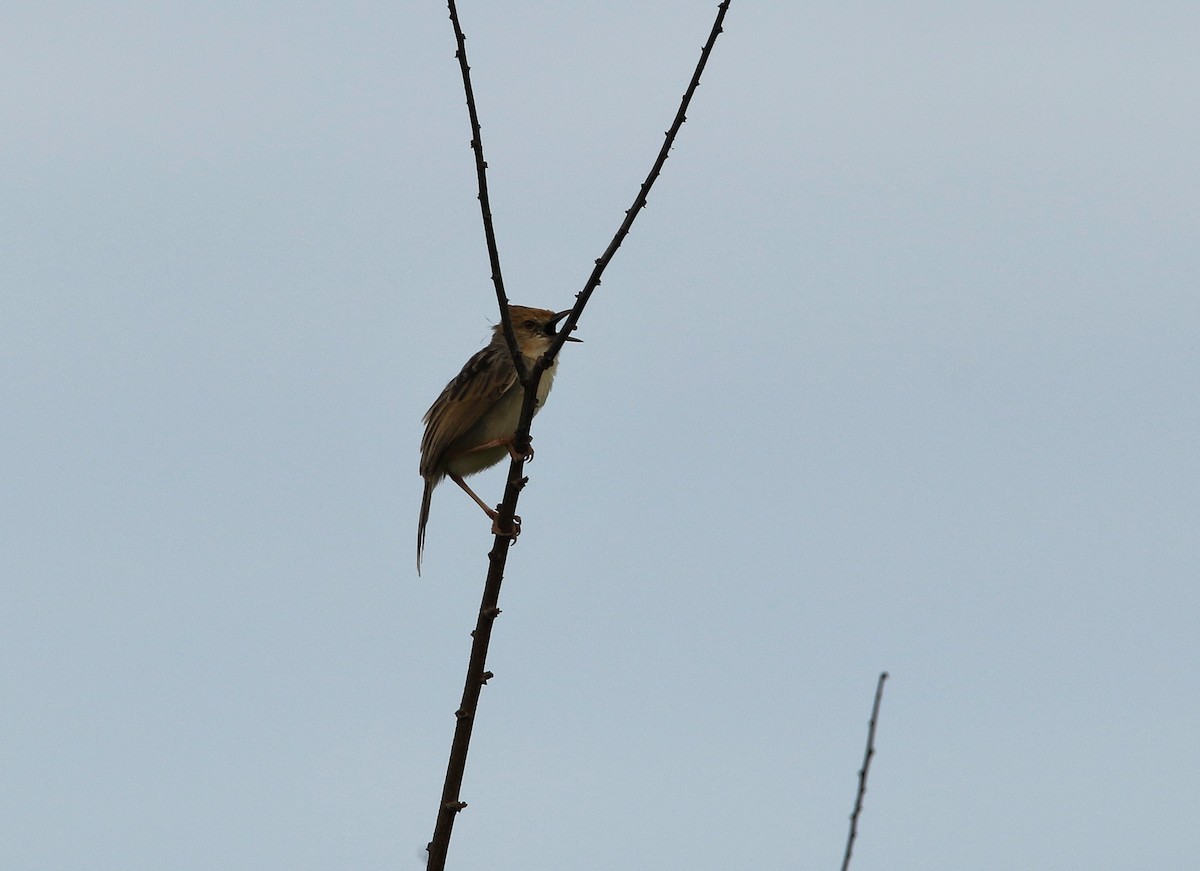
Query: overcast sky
x,y
898,371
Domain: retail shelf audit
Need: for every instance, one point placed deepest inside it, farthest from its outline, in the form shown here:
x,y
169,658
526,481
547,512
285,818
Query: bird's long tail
x,y
426,498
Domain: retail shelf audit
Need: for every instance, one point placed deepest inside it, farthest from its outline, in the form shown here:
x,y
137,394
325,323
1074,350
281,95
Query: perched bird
x,y
472,424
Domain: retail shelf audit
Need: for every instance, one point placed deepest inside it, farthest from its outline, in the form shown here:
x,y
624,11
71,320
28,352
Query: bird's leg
x,y
490,512
507,442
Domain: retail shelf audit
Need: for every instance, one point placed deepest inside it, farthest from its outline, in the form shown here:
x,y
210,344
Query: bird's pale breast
x,y
499,422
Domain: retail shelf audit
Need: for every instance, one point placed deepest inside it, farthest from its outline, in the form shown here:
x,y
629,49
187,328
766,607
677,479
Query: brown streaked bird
x,y
472,424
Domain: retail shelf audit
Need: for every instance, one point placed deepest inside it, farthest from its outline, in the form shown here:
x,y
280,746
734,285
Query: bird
x,y
472,425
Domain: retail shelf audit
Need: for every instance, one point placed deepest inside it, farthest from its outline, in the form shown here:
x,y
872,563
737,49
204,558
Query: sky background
x,y
898,371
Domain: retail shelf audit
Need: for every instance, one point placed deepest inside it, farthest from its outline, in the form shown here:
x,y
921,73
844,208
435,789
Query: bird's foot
x,y
516,453
508,533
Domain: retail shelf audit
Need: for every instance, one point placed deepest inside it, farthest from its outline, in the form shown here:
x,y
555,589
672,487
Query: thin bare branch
x,y
639,202
601,263
862,773
498,557
485,206
477,676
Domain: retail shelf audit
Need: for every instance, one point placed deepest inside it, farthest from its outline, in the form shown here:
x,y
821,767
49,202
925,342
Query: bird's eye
x,y
530,325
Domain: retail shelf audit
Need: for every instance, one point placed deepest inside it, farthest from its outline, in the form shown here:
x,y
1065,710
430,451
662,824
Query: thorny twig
x,y
451,804
485,206
862,773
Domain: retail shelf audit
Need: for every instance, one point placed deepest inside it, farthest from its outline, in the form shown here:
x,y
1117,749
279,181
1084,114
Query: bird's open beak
x,y
554,321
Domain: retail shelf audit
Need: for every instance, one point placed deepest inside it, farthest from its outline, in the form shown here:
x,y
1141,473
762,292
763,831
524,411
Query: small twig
x,y
639,201
581,299
477,676
862,773
485,207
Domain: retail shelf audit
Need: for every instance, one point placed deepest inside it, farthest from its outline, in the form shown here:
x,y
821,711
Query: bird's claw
x,y
517,454
508,533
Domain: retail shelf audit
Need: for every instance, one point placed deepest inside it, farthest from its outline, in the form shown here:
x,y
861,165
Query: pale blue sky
x,y
897,371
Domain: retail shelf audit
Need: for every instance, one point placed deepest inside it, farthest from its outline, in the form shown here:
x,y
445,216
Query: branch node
x,y
455,806
485,677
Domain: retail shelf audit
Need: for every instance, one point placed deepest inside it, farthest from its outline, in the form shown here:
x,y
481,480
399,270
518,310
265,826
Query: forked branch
x,y
497,558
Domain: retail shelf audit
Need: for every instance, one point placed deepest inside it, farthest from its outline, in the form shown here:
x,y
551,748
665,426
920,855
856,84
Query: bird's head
x,y
535,329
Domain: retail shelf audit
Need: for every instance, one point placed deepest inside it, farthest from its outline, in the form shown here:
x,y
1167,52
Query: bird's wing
x,y
483,380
